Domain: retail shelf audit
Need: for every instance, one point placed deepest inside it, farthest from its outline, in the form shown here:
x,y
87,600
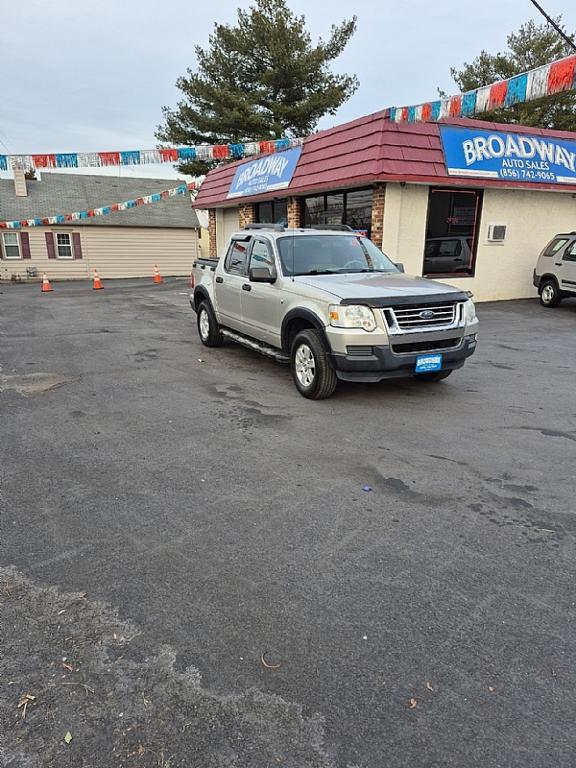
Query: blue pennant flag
x,y
130,158
237,150
186,153
67,160
468,103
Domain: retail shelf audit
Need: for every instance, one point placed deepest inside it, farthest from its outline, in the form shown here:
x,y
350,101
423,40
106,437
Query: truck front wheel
x,y
313,375
208,328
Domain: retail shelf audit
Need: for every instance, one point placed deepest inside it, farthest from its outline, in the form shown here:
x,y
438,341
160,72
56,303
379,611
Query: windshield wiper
x,y
321,272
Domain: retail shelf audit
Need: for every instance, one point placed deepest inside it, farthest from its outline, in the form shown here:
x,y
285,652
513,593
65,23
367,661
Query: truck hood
x,y
366,286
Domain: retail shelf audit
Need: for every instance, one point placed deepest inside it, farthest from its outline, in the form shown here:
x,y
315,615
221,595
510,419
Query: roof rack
x,y
275,227
335,227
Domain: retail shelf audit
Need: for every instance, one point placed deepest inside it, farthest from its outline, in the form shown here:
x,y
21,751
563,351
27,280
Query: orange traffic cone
x,y
97,285
46,287
157,275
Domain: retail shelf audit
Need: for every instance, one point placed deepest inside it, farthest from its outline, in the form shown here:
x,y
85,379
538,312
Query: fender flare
x,y
301,313
548,276
201,291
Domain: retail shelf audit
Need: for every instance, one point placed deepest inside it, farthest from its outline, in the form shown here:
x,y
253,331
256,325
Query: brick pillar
x,y
212,247
378,198
294,212
246,214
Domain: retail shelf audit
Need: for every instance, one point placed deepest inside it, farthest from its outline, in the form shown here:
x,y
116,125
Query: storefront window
x,y
452,232
352,208
272,212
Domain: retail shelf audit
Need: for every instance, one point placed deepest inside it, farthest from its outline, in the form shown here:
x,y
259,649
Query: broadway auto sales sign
x,y
503,155
265,174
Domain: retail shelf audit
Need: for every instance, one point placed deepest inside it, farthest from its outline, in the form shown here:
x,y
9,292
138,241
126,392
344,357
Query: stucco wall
x,y
503,271
405,211
113,251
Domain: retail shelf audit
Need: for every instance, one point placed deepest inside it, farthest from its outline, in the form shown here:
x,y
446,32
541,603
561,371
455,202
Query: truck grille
x,y
426,346
407,318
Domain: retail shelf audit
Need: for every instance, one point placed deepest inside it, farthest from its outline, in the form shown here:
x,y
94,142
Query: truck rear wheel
x,y
313,375
208,328
550,295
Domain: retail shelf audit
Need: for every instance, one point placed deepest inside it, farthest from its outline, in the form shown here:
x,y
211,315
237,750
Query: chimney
x,y
20,183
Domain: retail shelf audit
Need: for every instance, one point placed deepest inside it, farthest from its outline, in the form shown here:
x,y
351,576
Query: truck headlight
x,y
351,316
469,311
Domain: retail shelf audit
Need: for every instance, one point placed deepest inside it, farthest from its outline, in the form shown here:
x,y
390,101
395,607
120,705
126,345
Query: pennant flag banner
x,y
145,156
65,218
557,77
536,84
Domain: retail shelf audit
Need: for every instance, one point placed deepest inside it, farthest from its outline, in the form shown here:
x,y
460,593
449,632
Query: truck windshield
x,y
331,254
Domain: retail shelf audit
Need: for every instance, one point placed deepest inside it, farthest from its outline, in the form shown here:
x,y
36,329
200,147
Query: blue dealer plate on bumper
x,y
428,363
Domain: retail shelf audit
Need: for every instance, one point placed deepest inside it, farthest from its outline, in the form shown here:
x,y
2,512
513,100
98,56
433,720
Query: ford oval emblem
x,y
427,314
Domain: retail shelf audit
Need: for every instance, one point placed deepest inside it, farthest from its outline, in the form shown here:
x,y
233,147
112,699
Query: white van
x,y
555,273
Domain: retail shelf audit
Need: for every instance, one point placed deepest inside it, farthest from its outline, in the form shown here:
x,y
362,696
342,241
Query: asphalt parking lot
x,y
192,538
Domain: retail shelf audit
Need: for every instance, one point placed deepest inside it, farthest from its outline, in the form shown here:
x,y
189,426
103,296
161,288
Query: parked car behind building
x,y
555,272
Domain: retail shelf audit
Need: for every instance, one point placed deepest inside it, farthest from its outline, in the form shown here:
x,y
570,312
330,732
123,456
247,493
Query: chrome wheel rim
x,y
204,324
305,365
547,294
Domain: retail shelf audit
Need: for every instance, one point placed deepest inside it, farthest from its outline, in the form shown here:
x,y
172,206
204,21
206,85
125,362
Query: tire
x,y
434,376
208,328
311,369
550,295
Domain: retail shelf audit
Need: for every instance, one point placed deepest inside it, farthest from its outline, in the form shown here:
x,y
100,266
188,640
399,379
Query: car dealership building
x,y
468,202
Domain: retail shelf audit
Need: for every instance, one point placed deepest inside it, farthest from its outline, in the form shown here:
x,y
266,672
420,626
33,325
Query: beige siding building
x,y
122,244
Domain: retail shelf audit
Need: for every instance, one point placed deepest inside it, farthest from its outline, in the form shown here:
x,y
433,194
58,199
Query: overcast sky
x,y
93,77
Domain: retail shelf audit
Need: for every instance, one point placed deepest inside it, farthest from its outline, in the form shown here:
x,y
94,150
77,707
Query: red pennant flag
x,y
168,155
561,75
455,106
44,161
221,151
109,158
497,95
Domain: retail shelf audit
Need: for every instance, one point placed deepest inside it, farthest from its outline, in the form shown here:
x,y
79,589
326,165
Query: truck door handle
x,y
219,279
246,287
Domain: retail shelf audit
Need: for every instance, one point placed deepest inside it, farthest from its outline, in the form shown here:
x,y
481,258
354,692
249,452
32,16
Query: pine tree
x,y
260,79
533,45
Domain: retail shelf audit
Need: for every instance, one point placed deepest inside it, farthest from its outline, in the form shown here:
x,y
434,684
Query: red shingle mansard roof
x,y
371,149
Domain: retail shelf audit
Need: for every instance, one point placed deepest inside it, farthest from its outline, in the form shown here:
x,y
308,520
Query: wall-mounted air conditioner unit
x,y
496,233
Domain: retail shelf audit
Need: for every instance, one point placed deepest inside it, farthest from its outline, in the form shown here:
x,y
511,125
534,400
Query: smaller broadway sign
x,y
510,156
265,174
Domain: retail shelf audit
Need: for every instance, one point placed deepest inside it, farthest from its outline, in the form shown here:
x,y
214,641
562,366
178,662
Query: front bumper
x,y
536,279
381,363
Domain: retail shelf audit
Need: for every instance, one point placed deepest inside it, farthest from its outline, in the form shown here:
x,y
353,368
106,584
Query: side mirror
x,y
399,266
261,275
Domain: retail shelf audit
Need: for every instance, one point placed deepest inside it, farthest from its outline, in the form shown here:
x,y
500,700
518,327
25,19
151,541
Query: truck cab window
x,y
237,257
261,256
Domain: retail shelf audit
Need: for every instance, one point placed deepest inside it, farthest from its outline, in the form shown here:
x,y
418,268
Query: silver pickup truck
x,y
333,306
